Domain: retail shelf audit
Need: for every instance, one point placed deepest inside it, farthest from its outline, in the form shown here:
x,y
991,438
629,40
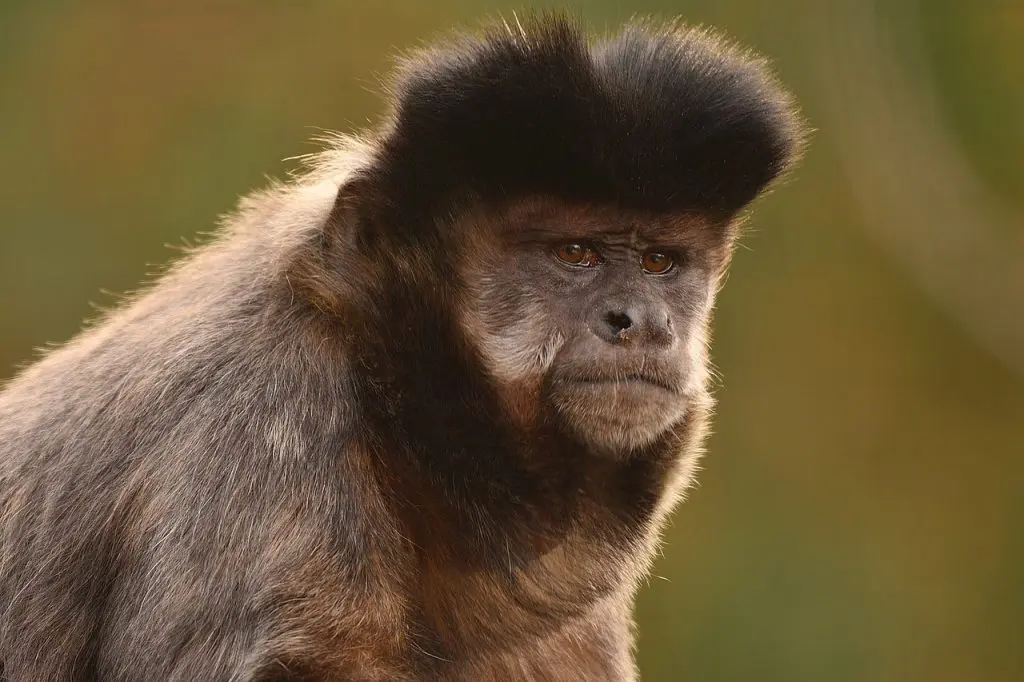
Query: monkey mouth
x,y
615,414
626,380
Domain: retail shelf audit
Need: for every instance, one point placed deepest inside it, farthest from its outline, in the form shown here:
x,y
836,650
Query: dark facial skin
x,y
602,312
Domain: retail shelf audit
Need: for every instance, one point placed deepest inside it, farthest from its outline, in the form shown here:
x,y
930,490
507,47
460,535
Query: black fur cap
x,y
662,118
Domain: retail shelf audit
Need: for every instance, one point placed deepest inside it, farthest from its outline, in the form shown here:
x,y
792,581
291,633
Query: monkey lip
x,y
628,379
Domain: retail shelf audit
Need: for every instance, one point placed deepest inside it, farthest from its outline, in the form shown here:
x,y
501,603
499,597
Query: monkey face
x,y
595,318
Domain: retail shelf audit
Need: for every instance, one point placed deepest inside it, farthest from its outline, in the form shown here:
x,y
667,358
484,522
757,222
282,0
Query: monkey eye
x,y
580,255
657,262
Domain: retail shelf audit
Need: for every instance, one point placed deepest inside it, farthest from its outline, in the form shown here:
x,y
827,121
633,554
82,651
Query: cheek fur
x,y
521,351
516,343
698,343
516,356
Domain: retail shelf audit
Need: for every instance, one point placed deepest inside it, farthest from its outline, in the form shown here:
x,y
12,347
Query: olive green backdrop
x,y
860,515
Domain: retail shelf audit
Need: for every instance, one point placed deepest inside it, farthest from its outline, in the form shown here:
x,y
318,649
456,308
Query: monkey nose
x,y
624,324
618,322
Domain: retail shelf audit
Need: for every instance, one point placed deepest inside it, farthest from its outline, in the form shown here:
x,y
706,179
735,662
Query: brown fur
x,y
376,431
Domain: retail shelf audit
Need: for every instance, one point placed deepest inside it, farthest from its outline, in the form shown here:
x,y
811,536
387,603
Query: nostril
x,y
618,322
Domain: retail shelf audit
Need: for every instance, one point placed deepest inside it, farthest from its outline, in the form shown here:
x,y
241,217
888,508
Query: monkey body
x,y
411,417
293,556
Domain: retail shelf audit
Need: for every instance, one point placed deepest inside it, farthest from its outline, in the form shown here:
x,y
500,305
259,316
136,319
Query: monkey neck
x,y
533,528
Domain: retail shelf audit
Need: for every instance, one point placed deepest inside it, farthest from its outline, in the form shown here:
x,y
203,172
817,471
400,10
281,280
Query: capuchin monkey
x,y
421,413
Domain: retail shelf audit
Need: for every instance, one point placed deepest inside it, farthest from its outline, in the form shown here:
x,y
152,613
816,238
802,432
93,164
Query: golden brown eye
x,y
578,254
657,263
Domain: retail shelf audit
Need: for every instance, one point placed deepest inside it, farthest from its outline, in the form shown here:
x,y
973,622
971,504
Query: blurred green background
x,y
860,515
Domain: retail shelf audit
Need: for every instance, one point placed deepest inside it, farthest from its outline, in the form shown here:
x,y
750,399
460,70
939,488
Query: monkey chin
x,y
615,419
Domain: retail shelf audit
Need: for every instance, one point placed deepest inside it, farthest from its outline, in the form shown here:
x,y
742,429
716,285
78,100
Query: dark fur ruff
x,y
285,461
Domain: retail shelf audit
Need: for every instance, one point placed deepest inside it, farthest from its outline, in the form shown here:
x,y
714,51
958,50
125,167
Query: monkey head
x,y
588,195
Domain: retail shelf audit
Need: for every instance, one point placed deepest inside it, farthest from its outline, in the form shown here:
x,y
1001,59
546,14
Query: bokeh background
x,y
860,515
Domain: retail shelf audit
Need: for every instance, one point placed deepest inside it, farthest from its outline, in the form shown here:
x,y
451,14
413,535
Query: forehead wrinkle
x,y
547,219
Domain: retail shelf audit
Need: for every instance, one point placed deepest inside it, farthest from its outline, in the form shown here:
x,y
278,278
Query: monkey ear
x,y
353,193
350,223
331,267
